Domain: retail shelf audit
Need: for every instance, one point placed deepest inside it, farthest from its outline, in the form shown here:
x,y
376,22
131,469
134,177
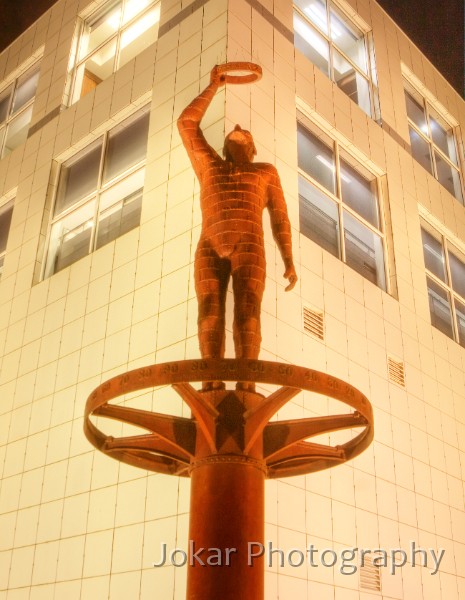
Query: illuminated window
x,y
99,193
6,211
433,142
109,39
339,48
445,280
16,103
339,204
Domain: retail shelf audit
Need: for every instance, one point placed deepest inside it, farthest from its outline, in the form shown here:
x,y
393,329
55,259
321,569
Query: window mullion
x,y
339,196
330,42
10,102
77,205
337,170
430,139
370,67
423,135
455,326
359,218
428,124
444,157
93,236
341,232
350,61
382,233
72,73
445,246
437,279
118,36
318,185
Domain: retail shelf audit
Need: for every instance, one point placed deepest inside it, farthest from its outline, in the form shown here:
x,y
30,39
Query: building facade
x,y
99,220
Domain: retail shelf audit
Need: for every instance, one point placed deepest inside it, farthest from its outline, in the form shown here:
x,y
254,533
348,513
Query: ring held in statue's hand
x,y
246,72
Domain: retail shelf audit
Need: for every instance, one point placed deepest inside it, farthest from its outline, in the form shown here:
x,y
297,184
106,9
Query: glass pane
x,y
439,307
460,314
443,136
70,239
319,218
359,193
364,251
348,38
434,255
17,131
421,150
120,218
133,8
457,273
351,82
316,158
416,112
25,89
139,36
122,189
316,12
4,104
449,177
6,211
312,44
78,177
127,146
100,28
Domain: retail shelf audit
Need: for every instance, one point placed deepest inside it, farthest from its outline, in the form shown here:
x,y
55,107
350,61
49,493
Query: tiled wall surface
x,y
77,525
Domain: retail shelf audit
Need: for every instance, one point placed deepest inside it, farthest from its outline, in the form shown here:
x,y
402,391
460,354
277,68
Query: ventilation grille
x,y
370,575
396,371
313,322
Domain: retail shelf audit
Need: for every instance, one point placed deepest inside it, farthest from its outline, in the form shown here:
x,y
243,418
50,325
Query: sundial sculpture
x,y
229,446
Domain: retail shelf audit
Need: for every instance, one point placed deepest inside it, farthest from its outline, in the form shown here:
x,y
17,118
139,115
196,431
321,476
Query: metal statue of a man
x,y
234,191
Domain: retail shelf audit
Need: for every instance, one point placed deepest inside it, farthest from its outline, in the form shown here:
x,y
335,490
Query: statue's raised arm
x,y
192,136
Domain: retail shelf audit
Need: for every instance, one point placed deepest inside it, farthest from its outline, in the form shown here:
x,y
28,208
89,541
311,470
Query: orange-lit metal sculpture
x,y
234,191
230,445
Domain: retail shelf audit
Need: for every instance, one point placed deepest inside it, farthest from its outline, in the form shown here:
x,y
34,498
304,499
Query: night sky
x,y
437,28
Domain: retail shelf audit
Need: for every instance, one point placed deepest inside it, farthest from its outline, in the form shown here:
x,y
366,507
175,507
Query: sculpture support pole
x,y
226,513
228,447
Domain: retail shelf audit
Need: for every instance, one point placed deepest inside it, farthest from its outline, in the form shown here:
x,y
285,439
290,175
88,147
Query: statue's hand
x,y
292,276
217,77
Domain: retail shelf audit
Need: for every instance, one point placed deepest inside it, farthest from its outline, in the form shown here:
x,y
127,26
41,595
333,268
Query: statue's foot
x,y
245,386
209,386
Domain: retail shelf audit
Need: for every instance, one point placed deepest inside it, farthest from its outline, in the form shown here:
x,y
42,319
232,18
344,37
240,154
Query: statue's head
x,y
239,145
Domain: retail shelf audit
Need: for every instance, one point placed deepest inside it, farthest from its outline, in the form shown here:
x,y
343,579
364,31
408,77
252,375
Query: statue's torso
x,y
232,199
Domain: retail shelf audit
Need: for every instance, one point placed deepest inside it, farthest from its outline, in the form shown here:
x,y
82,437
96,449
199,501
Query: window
x,y
339,48
339,204
433,142
109,39
16,110
445,280
99,193
6,211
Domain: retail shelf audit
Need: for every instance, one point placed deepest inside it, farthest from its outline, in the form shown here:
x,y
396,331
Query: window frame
x,y
427,137
97,193
4,205
338,148
12,87
370,75
72,94
447,247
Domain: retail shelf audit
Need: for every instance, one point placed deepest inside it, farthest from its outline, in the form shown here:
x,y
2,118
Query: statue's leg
x,y
211,282
248,273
